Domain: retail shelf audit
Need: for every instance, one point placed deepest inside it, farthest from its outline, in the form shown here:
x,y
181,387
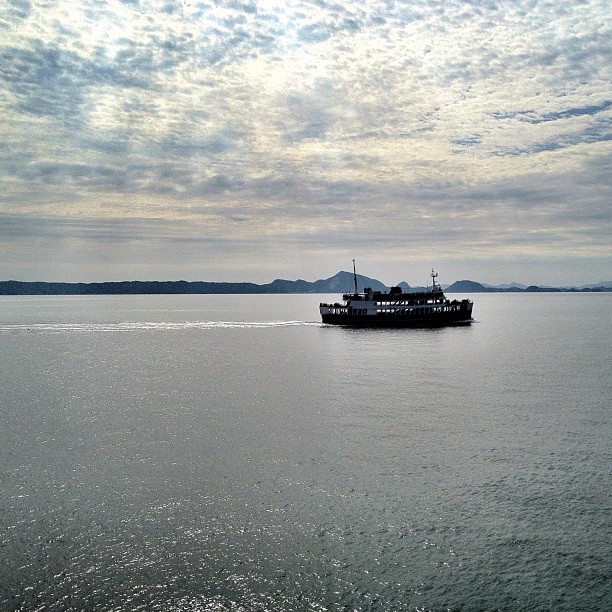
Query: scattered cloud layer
x,y
243,140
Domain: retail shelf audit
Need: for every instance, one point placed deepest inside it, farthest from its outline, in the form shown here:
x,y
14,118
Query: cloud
x,y
321,123
42,81
14,12
532,117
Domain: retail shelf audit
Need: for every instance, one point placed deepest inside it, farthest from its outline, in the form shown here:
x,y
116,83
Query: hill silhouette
x,y
467,286
342,282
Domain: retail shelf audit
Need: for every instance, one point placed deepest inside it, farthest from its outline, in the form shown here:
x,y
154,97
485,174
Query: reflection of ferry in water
x,y
395,308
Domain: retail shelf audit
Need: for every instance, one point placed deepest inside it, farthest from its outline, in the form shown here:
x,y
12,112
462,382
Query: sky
x,y
238,140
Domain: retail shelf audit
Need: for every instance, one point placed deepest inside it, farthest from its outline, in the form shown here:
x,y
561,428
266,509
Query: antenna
x,y
355,276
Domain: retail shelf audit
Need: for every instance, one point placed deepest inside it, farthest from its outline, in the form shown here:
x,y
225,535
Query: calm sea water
x,y
212,453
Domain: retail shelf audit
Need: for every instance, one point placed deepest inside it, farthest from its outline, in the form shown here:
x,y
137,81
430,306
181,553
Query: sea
x,y
231,453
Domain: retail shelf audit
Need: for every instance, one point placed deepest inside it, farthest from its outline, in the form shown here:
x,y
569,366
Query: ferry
x,y
396,308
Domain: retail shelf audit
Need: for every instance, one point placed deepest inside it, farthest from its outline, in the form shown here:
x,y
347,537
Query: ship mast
x,y
434,275
355,276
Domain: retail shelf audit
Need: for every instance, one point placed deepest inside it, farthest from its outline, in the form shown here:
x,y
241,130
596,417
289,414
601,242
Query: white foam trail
x,y
150,325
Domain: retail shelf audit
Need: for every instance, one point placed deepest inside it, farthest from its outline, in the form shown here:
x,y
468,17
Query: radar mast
x,y
434,275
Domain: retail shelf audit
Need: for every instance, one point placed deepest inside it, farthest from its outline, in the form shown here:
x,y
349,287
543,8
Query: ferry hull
x,y
397,321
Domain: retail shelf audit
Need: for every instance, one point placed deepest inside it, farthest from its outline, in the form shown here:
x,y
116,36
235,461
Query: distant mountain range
x,y
342,282
468,286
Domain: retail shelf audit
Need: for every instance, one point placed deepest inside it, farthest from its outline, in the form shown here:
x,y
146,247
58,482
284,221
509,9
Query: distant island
x,y
342,282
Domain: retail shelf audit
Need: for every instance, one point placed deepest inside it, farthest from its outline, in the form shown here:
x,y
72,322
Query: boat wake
x,y
124,326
